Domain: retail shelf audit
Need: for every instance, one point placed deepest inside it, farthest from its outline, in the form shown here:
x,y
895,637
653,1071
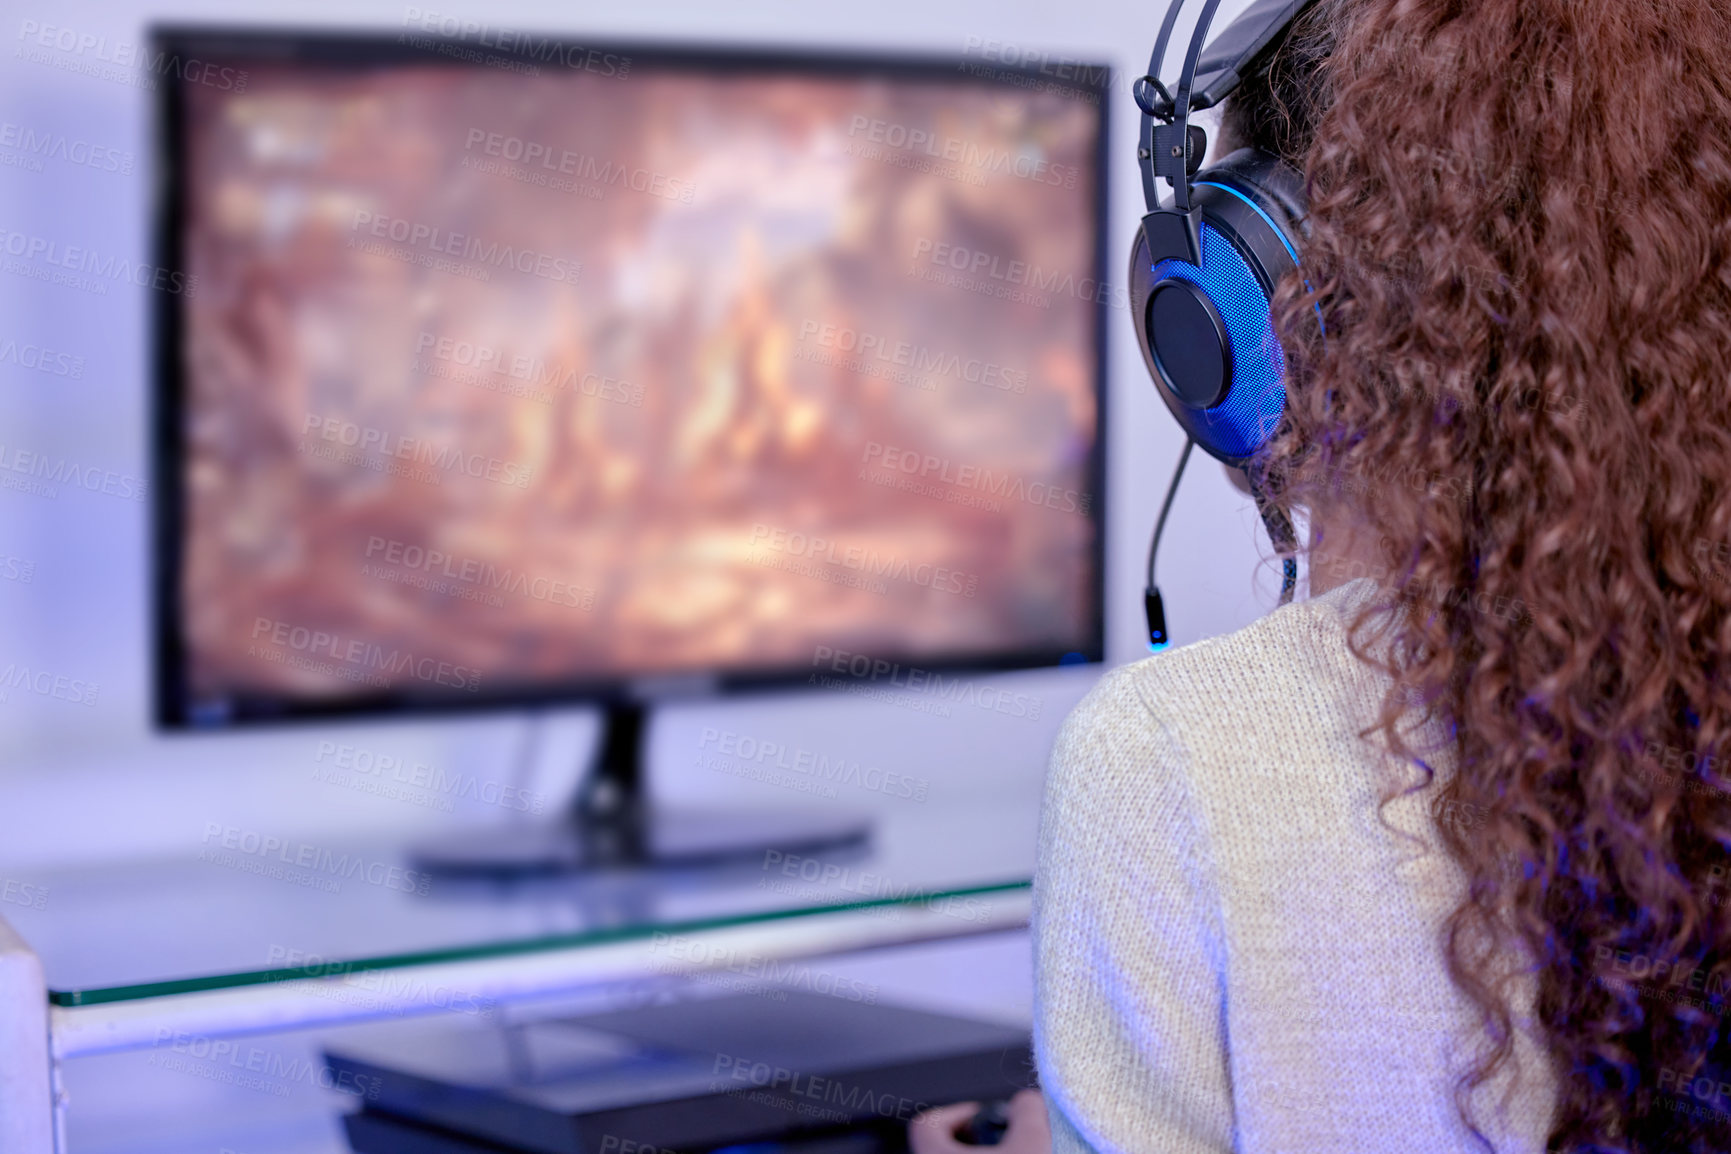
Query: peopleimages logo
x,y
1464,816
358,655
87,53
1067,68
979,271
254,1067
868,347
776,755
1711,559
818,1092
542,49
578,165
1676,760
926,467
365,438
795,975
46,684
829,878
317,859
864,561
1027,164
38,146
24,894
473,571
862,667
70,260
60,471
1703,1089
1698,772
42,360
532,371
383,774
613,1144
1627,965
1068,76
392,987
466,246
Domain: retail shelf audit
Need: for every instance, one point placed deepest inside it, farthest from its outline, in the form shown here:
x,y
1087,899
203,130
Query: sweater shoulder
x,y
1295,652
1251,694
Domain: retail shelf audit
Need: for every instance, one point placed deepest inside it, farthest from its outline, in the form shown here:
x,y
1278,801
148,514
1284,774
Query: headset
x,y
1205,264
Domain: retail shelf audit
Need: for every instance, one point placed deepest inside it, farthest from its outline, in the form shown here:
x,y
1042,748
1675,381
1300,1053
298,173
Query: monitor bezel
x,y
174,708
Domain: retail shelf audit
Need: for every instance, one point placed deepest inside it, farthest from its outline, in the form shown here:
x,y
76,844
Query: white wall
x,y
79,783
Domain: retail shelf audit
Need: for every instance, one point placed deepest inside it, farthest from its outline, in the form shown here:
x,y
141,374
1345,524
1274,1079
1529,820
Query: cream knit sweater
x,y
1233,953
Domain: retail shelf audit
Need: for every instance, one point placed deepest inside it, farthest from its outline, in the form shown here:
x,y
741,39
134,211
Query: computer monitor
x,y
514,370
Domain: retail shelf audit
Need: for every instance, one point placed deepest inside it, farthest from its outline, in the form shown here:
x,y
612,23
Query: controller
x,y
987,1126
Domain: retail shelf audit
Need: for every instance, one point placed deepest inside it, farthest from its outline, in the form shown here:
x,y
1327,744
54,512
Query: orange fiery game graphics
x,y
501,379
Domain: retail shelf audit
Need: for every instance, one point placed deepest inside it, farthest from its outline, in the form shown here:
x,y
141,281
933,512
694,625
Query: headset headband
x,y
1207,79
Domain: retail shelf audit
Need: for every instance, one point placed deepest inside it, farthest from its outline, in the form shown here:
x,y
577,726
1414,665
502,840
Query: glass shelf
x,y
216,918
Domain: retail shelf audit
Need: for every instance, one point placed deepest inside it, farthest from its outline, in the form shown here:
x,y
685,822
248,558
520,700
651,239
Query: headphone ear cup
x,y
1276,186
1207,331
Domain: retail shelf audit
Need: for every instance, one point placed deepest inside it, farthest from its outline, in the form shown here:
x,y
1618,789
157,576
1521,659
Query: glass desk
x,y
235,937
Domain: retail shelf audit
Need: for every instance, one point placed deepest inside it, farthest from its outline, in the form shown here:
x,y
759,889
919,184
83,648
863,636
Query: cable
x,y
1280,535
1153,609
1171,491
1274,519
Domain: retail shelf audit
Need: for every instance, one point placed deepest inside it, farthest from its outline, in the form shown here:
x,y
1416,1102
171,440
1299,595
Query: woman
x,y
1436,860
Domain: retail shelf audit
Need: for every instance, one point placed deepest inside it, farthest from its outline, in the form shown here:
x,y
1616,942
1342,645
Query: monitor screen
x,y
503,378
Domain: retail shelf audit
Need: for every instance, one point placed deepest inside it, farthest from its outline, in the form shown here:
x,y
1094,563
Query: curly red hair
x,y
1519,246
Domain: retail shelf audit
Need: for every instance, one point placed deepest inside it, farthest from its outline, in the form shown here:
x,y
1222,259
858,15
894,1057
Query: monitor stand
x,y
612,824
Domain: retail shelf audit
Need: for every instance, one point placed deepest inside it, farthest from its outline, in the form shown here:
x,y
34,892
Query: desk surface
x,y
216,918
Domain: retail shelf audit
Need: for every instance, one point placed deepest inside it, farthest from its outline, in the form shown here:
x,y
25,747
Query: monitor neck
x,y
609,800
